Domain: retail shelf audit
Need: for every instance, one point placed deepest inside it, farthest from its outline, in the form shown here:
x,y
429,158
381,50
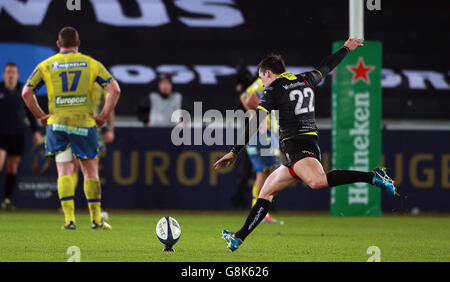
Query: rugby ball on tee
x,y
168,231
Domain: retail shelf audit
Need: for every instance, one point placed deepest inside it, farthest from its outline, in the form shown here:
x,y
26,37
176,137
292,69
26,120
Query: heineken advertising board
x,y
356,132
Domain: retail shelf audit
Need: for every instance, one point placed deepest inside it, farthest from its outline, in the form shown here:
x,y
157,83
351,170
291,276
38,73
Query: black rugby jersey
x,y
14,115
293,96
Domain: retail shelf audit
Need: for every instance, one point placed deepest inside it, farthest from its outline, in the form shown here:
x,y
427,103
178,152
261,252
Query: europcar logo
x,y
65,101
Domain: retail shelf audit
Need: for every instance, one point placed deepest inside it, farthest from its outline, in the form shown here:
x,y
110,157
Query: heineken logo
x,y
68,65
360,133
361,71
64,101
357,128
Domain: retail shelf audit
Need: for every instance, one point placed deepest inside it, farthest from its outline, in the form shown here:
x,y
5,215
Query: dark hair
x,y
10,64
244,76
164,75
274,63
68,37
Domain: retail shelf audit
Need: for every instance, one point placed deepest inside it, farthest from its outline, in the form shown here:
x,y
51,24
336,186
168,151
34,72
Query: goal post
x,y
356,120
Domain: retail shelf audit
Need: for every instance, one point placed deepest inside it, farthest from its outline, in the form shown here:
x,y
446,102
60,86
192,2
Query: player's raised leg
x,y
277,181
310,170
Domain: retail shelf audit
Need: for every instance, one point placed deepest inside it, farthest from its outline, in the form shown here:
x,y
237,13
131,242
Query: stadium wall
x,y
143,169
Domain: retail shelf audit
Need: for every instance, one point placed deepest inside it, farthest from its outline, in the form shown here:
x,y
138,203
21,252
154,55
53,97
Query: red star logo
x,y
361,71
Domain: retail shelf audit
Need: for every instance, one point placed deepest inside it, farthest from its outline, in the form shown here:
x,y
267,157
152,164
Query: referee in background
x,y
13,125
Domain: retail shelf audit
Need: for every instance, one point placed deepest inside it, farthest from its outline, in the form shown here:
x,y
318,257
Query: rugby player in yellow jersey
x,y
107,137
71,125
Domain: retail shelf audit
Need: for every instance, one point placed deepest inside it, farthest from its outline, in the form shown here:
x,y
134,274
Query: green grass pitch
x,y
36,236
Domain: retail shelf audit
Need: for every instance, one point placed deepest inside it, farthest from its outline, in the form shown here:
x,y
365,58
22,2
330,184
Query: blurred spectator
x,y
156,109
14,121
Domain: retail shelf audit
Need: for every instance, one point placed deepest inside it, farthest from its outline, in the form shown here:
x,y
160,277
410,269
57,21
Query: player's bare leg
x,y
268,218
64,168
260,179
278,181
76,171
92,190
310,170
259,182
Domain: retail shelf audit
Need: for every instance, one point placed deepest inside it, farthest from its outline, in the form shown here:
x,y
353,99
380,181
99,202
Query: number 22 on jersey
x,y
303,105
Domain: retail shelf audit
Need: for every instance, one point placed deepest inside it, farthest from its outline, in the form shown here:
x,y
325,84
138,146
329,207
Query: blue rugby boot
x,y
382,180
233,242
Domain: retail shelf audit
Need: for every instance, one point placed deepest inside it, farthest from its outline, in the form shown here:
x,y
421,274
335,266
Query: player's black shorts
x,y
13,144
300,147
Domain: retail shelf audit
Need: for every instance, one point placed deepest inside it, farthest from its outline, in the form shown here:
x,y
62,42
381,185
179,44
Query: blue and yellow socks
x,y
92,190
66,193
255,194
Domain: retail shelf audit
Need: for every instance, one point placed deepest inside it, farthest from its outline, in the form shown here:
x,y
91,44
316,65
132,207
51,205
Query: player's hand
x,y
225,161
108,136
100,120
353,43
44,119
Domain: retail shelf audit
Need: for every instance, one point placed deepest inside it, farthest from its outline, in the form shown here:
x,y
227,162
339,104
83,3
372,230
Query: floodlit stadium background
x,y
203,43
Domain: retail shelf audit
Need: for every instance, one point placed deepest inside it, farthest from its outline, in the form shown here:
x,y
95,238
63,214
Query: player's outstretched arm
x,y
32,104
353,43
113,91
330,62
